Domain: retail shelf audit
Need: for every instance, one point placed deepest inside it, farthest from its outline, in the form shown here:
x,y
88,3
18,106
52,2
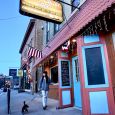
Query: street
x,y
35,105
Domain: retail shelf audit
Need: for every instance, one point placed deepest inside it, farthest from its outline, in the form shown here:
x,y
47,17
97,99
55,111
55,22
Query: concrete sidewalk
x,y
35,105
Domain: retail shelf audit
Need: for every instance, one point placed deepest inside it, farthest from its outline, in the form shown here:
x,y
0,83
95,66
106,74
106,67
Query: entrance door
x,y
76,81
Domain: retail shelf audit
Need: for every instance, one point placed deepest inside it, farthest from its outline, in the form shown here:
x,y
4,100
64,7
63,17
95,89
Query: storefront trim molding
x,y
87,13
104,67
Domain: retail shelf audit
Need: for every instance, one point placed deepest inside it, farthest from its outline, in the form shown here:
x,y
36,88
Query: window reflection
x,y
77,70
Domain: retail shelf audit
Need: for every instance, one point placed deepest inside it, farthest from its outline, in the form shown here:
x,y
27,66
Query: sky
x,y
13,26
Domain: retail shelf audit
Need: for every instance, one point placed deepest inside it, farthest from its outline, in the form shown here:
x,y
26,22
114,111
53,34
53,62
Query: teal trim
x,y
104,67
98,100
66,97
91,38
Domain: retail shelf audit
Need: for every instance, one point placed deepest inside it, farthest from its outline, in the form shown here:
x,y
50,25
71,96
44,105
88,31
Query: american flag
x,y
33,52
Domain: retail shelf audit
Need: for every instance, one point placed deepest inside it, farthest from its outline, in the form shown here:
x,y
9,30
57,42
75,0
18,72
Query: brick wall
x,y
39,34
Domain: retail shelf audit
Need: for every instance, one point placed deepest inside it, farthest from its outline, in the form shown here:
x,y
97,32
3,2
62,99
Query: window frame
x,y
51,75
104,67
55,28
47,32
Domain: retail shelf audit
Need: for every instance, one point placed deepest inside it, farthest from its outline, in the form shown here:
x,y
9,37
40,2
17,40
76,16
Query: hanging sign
x,y
65,46
49,10
20,73
13,72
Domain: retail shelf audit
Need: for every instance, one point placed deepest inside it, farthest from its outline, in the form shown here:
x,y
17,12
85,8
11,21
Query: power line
x,y
10,18
8,61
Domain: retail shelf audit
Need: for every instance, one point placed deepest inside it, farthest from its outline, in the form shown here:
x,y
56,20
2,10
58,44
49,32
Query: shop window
x,y
54,74
95,70
113,38
94,65
56,28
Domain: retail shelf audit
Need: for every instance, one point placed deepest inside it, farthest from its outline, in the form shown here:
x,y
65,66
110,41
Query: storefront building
x,y
80,59
33,38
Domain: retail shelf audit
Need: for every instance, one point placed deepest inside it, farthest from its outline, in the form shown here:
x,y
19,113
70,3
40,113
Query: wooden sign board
x,y
48,10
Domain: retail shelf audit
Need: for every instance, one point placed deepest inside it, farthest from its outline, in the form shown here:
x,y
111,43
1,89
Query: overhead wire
x,y
10,18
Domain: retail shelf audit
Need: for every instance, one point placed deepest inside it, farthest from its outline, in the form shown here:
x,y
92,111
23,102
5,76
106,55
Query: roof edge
x,y
26,36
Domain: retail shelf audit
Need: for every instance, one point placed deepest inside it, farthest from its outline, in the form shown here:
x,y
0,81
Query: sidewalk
x,y
35,105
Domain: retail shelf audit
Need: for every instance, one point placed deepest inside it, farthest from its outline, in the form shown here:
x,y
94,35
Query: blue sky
x,y
12,31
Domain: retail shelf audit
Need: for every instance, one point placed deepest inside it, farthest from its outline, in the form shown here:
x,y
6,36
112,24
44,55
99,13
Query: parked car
x,y
16,86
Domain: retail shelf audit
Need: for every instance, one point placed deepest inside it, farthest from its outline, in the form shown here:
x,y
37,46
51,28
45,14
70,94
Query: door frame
x,y
73,58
